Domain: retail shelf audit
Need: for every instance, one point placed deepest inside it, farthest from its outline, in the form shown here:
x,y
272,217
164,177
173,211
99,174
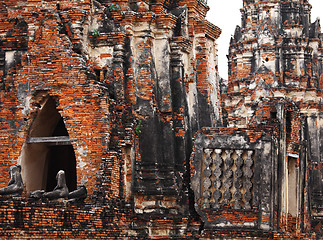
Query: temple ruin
x,y
122,128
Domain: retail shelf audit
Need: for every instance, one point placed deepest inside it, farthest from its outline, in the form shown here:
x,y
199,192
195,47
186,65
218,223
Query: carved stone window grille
x,y
227,179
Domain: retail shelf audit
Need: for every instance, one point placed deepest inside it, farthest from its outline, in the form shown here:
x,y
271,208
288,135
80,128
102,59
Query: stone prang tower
x,y
275,84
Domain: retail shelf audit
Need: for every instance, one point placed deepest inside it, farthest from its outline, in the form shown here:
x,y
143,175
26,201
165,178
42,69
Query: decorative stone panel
x,y
232,178
227,178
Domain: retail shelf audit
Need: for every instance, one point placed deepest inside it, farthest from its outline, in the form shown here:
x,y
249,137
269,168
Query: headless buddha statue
x,y
61,190
15,185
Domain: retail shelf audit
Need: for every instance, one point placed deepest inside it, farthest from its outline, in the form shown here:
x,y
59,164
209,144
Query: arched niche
x,y
47,150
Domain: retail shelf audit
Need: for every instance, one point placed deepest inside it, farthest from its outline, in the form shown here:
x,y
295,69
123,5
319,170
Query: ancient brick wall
x,y
54,70
114,93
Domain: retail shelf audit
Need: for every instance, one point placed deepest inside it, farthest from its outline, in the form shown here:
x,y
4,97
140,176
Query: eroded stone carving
x,y
36,195
15,185
79,194
61,190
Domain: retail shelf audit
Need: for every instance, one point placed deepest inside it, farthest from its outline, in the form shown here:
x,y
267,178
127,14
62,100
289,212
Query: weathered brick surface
x,y
134,81
115,72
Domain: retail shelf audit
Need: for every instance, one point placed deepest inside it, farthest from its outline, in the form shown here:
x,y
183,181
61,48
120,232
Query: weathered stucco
x,y
125,97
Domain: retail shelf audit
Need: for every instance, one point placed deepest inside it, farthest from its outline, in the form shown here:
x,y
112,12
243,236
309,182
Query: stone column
x,y
180,110
118,61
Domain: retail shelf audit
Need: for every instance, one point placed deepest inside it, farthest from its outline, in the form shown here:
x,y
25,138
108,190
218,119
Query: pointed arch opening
x,y
47,150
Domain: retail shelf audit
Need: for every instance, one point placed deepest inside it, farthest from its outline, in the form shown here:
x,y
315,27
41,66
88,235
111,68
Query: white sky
x,y
226,15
